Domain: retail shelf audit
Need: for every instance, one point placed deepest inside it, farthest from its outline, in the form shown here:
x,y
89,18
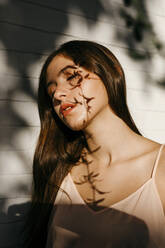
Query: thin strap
x,y
157,160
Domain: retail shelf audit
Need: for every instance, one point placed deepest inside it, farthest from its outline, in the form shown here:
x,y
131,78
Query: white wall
x,y
29,30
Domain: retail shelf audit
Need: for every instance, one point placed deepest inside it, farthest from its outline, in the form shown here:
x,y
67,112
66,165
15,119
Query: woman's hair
x,y
59,148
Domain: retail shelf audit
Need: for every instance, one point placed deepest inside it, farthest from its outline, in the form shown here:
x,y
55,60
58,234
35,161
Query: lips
x,y
66,108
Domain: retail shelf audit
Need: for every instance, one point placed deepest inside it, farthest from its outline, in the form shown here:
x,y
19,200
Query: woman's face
x,y
78,96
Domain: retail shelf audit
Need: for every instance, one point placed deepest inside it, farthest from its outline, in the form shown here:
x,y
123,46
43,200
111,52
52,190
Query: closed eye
x,y
75,79
72,76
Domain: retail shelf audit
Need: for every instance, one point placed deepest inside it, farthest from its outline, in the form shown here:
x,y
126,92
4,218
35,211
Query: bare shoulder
x,y
160,177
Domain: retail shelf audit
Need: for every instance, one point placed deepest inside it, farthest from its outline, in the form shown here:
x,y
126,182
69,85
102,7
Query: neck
x,y
110,135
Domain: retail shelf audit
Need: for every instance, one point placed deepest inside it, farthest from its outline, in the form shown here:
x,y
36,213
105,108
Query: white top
x,y
74,224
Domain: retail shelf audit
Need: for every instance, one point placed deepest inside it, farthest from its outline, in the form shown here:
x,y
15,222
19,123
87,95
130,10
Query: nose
x,y
60,94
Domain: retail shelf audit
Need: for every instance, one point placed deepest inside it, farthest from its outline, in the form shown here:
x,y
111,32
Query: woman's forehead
x,y
58,63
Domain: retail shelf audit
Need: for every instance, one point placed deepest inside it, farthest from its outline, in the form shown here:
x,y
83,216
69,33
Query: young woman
x,y
100,179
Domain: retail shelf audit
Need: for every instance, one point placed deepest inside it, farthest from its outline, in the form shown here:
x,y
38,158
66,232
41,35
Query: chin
x,y
77,126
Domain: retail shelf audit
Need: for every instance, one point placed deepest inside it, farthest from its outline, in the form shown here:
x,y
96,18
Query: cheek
x,y
96,90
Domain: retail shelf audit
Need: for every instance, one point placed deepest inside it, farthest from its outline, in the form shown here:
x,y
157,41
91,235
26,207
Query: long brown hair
x,y
58,147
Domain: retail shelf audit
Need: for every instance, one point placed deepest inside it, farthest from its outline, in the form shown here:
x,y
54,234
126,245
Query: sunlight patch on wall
x,y
158,67
156,7
90,29
16,162
13,186
26,138
26,108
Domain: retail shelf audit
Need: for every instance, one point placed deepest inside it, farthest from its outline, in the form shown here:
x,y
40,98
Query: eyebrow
x,y
65,68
